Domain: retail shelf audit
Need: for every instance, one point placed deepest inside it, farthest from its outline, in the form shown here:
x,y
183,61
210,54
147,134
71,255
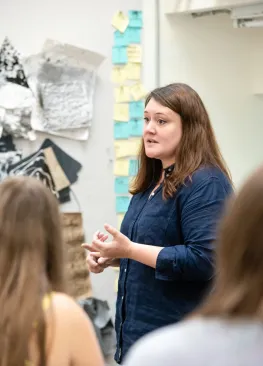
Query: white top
x,y
201,342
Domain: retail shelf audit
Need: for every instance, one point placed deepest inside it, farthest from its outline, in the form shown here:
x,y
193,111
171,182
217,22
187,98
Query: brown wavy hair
x,y
238,288
31,265
197,147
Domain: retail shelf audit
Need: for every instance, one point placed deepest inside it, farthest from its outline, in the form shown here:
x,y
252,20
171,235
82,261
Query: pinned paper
x,y
119,74
120,21
125,148
121,130
131,35
134,35
122,204
138,91
136,127
120,55
122,94
121,185
121,112
136,110
120,218
135,18
133,71
133,167
134,53
122,167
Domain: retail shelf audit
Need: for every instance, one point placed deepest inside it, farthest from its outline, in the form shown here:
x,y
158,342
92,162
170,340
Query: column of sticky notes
x,y
129,95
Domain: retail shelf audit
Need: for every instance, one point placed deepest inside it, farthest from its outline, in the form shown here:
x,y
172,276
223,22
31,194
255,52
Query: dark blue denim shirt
x,y
185,226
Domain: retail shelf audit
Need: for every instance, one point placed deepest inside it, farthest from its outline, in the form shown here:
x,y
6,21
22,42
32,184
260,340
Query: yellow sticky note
x,y
119,219
121,112
133,71
120,21
138,91
119,74
125,148
121,167
117,279
122,94
134,53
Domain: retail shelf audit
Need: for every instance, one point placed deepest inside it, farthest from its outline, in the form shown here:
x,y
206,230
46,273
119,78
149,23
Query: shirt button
x,y
122,297
125,270
120,352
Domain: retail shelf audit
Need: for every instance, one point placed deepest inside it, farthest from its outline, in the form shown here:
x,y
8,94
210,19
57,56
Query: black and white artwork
x,y
10,65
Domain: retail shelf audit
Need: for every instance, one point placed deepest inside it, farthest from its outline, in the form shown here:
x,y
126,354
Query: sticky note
x,y
122,167
138,91
121,112
120,55
122,94
129,36
121,185
122,204
120,21
133,71
133,167
120,218
136,110
136,127
134,35
119,74
125,148
134,53
135,18
121,130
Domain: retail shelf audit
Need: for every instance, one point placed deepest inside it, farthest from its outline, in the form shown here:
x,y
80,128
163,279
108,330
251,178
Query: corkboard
x,y
77,274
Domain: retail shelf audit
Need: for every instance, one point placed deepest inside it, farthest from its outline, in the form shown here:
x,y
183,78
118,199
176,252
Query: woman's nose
x,y
150,127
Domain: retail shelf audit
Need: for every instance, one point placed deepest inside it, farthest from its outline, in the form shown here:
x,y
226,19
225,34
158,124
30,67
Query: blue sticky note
x,y
130,35
122,204
134,35
136,110
121,130
121,39
136,127
135,18
133,167
121,185
119,55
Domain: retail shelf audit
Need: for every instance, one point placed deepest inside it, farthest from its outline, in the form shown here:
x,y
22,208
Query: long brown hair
x,y
238,288
197,147
31,264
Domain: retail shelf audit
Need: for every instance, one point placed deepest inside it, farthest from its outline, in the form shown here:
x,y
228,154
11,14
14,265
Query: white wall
x,y
220,63
87,24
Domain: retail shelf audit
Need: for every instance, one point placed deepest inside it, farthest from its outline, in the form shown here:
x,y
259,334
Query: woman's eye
x,y
146,119
161,122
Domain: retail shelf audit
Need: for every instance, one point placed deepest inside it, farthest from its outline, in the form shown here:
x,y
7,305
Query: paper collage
x,y
54,90
129,94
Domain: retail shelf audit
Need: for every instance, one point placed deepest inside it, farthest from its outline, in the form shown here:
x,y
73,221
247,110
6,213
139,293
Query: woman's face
x,y
162,132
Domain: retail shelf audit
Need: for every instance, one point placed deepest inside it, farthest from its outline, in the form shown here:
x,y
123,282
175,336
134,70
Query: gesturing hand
x,y
119,247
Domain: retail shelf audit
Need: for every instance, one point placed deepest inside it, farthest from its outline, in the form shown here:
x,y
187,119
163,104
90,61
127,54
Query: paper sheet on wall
x,y
133,71
136,110
122,94
122,204
133,167
135,18
121,185
120,21
122,167
120,218
121,112
119,55
138,91
125,148
119,74
134,53
121,130
129,36
136,127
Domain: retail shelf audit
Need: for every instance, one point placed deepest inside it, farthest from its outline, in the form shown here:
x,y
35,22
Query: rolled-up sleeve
x,y
193,260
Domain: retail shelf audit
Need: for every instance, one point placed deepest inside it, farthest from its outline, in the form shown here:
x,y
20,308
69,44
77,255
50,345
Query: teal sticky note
x,y
134,35
121,39
121,130
121,185
122,204
135,18
130,35
119,55
136,110
133,167
136,127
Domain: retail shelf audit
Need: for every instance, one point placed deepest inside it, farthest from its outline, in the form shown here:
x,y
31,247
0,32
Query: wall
x,y
87,24
224,65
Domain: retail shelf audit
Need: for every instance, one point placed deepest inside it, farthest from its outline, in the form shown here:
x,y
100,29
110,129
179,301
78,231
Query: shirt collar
x,y
168,171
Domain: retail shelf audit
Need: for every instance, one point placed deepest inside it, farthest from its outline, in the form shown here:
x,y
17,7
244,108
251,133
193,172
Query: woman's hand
x,y
119,247
96,263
